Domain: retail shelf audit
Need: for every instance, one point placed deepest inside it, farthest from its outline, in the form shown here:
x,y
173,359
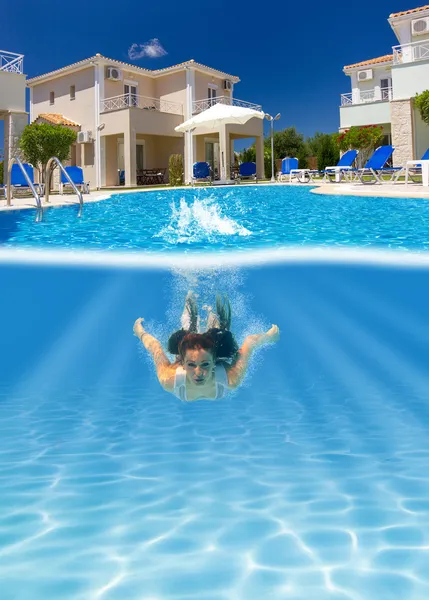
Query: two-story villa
x,y
12,102
126,116
383,88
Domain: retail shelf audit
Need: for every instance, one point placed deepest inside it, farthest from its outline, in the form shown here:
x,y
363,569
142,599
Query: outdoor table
x,y
425,170
150,176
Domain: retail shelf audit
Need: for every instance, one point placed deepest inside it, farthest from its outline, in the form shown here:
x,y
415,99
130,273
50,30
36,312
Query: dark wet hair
x,y
220,342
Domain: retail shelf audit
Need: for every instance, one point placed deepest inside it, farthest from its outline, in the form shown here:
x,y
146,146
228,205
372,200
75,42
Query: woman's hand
x,y
138,328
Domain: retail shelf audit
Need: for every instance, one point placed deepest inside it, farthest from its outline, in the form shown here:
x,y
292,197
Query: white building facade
x,y
126,116
383,88
12,103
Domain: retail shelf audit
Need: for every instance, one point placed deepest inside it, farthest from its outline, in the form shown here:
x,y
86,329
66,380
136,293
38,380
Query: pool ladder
x,y
48,174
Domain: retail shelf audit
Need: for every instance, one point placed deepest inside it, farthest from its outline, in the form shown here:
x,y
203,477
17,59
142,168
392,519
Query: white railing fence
x,y
200,105
11,62
362,96
143,102
411,52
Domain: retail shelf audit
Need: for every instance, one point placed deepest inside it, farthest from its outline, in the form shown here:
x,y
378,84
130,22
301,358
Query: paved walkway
x,y
347,189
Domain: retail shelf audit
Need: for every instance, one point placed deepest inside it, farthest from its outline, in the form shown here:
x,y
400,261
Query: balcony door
x,y
212,95
385,88
131,94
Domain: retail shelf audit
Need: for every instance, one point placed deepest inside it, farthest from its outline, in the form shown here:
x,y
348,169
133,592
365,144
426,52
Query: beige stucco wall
x,y
152,122
12,92
145,85
202,81
402,131
81,110
172,87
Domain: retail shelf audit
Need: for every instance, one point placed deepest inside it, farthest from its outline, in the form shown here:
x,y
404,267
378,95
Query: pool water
x,y
308,483
214,219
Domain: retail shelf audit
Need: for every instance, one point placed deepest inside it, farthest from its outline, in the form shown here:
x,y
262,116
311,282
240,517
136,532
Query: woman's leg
x,y
223,309
189,319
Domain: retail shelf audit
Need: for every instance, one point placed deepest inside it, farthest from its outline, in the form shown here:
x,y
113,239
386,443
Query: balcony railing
x,y
11,62
135,101
363,96
200,105
411,52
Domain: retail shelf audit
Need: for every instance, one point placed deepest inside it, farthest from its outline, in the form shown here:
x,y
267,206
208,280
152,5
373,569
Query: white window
x,y
131,94
51,97
72,92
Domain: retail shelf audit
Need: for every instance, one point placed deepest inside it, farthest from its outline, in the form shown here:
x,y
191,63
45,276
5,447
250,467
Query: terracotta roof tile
x,y
57,119
410,12
373,61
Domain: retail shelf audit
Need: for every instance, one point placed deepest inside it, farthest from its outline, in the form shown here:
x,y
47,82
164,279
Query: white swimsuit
x,y
221,379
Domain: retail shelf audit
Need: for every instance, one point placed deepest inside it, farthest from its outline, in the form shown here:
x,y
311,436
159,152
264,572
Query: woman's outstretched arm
x,y
237,370
164,369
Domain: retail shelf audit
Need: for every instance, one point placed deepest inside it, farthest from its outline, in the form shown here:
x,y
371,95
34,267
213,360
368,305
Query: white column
x,y
14,124
98,94
130,156
223,151
189,143
103,161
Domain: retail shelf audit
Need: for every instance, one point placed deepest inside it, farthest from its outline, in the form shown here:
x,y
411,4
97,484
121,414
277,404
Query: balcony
x,y
200,105
363,96
142,102
11,62
409,53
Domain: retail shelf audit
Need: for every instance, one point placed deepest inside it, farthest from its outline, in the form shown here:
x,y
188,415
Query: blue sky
x,y
289,57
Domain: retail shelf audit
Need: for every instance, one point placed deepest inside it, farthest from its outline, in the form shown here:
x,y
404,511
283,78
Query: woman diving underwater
x,y
207,364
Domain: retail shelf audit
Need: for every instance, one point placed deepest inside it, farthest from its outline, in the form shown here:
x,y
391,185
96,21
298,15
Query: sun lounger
x,y
288,164
201,172
18,180
247,170
341,169
375,167
76,175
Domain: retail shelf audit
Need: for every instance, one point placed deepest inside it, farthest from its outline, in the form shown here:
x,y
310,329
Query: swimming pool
x,y
309,483
222,219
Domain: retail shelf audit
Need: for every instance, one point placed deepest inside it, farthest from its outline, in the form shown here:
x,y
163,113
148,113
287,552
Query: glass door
x,y
385,88
130,94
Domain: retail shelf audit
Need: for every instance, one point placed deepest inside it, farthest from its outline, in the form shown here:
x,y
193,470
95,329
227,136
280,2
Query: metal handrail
x,y
48,174
17,160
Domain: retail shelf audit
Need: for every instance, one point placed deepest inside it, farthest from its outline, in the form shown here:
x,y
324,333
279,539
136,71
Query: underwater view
x,y
307,482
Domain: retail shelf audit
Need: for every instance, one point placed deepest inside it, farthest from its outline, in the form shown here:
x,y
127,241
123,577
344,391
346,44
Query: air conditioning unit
x,y
420,26
84,137
365,75
227,84
113,74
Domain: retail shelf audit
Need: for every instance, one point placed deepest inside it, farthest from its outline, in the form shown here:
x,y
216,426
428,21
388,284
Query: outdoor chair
x,y
201,172
247,170
18,180
342,169
413,168
375,167
76,175
288,164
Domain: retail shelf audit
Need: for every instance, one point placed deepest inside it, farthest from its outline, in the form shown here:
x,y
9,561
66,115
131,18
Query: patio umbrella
x,y
215,118
219,114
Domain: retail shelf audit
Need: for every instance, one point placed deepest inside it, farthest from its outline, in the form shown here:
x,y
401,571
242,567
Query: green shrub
x,y
175,169
365,139
421,101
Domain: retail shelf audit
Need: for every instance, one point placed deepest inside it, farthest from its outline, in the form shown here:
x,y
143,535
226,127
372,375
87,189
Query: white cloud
x,y
150,49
